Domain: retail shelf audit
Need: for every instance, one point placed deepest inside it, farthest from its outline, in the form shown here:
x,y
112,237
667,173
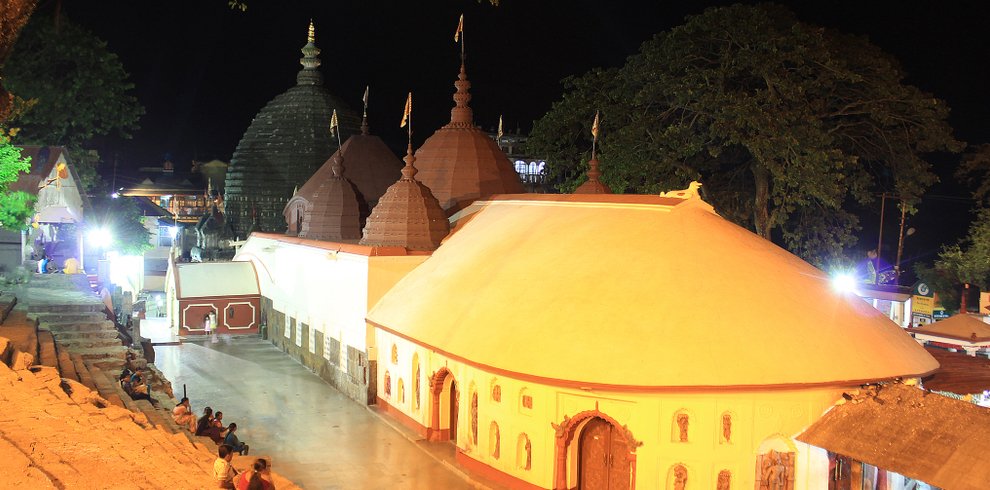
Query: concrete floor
x,y
317,437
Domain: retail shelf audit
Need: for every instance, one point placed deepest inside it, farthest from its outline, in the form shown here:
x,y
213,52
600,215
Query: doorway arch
x,y
445,407
594,451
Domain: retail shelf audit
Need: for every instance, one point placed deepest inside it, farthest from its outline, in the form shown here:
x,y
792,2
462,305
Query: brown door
x,y
453,411
603,463
840,472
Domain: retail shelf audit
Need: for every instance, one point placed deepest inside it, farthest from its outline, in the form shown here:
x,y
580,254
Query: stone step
x,y
107,355
70,317
70,335
67,308
6,351
83,372
86,343
47,356
65,365
100,326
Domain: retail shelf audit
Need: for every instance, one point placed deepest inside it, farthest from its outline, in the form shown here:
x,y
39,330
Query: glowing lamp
x,y
100,237
844,282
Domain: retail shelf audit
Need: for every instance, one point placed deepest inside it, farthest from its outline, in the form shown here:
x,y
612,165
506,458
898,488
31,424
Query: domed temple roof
x,y
634,292
407,215
371,167
460,163
327,207
285,143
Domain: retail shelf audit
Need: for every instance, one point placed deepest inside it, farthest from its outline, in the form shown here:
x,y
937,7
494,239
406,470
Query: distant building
x,y
58,224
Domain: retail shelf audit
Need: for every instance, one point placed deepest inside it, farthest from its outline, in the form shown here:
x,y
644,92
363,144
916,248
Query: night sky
x,y
202,70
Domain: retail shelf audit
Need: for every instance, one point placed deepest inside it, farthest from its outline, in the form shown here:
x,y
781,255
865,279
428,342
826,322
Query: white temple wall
x,y
760,420
318,299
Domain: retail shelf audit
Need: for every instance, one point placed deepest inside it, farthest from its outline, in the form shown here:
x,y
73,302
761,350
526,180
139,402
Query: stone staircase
x,y
65,422
56,433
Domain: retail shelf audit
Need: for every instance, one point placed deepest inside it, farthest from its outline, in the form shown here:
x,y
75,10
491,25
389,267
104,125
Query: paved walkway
x,y
318,438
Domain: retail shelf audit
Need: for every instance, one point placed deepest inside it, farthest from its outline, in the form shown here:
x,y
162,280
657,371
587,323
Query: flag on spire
x,y
500,133
594,127
405,113
365,98
333,120
460,29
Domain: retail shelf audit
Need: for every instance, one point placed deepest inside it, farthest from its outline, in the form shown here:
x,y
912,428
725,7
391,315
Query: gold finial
x,y
311,36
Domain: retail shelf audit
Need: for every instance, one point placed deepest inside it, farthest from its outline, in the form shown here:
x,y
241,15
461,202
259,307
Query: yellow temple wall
x,y
760,420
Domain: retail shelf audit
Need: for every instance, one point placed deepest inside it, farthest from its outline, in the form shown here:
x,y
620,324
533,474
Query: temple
x,y
284,144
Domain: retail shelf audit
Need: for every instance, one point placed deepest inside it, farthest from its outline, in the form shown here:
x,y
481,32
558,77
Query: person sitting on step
x,y
183,415
223,472
256,478
232,440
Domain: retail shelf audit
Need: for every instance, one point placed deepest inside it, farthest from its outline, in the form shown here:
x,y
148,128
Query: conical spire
x,y
310,60
408,215
593,185
462,115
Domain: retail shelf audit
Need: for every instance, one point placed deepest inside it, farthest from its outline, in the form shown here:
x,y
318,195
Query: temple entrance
x,y
453,411
603,462
444,407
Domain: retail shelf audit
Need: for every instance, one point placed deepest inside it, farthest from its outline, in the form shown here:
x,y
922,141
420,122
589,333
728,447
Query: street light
x,y
100,237
844,282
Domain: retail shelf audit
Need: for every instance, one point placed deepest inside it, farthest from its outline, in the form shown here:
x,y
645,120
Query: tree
x,y
15,207
13,17
966,262
122,218
81,89
788,125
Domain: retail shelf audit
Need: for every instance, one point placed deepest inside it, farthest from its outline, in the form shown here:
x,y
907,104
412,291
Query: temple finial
x,y
337,166
462,114
310,60
409,171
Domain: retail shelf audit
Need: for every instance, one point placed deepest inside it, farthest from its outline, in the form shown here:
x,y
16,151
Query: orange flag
x,y
407,112
594,127
460,29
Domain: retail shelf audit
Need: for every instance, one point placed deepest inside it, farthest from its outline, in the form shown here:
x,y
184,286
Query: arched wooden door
x,y
603,457
453,411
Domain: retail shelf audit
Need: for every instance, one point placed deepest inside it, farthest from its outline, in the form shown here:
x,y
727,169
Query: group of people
x,y
258,477
209,425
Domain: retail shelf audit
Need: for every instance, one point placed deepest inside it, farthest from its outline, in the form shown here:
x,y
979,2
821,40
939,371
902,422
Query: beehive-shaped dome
x,y
407,215
284,144
327,207
460,163
638,292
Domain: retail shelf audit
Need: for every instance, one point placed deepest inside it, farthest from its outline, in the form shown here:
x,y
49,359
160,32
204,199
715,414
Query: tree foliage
x,y
122,218
81,87
13,16
967,262
15,207
788,125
